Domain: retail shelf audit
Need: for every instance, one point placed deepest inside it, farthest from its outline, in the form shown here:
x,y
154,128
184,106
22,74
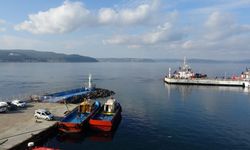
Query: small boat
x,y
78,119
107,117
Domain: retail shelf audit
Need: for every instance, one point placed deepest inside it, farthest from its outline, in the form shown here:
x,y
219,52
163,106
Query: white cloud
x,y
222,25
2,21
165,33
13,42
127,16
2,29
73,15
188,44
223,6
65,18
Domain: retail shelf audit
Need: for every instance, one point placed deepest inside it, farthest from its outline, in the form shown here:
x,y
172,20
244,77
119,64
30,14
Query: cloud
x,y
65,18
165,33
127,16
222,6
223,25
73,15
2,22
14,42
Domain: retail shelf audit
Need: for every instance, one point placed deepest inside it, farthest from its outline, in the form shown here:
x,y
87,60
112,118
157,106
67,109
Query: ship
x,y
108,117
78,119
185,75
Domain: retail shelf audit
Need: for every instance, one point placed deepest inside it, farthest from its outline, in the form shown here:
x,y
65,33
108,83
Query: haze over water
x,y
155,115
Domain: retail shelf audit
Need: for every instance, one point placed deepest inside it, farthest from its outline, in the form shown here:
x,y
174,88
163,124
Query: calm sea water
x,y
155,115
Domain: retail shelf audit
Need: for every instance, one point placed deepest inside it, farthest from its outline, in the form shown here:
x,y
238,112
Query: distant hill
x,y
195,60
38,56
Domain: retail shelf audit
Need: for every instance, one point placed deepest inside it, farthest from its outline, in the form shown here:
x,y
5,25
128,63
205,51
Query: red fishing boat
x,y
107,117
78,119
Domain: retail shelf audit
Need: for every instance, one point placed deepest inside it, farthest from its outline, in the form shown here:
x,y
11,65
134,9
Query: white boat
x,y
185,75
3,106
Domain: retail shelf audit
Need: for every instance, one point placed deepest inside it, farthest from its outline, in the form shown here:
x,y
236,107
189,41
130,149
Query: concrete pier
x,y
18,127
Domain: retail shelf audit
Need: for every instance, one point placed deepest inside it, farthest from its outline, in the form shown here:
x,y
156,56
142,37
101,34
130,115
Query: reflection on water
x,y
96,136
186,90
183,90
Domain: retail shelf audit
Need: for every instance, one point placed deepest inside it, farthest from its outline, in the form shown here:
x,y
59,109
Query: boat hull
x,y
71,127
105,125
212,82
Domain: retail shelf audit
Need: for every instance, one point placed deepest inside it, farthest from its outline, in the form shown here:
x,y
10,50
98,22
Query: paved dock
x,y
18,126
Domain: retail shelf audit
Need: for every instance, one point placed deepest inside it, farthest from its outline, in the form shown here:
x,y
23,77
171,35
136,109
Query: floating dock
x,y
207,81
19,127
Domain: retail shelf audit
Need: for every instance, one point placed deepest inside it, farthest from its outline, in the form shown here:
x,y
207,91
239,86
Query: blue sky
x,y
215,29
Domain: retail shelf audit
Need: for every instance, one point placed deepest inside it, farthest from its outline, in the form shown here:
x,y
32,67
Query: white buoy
x,y
31,144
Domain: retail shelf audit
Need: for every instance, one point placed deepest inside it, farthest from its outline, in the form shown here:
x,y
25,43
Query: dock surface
x,y
18,126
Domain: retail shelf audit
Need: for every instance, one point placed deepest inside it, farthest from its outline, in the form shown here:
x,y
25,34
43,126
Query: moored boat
x,y
107,118
78,119
186,76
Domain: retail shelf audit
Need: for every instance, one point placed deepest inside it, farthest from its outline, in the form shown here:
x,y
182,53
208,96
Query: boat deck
x,y
103,116
18,126
75,117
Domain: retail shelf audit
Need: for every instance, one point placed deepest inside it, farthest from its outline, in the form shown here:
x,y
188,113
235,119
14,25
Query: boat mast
x,y
90,81
169,72
184,62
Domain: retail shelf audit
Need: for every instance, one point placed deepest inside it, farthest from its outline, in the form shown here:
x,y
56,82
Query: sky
x,y
214,29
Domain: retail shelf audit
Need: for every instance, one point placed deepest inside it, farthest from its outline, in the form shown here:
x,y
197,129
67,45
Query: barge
x,y
186,76
78,119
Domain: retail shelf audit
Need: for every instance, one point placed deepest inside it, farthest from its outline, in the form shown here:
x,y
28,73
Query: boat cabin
x,y
246,74
85,106
110,106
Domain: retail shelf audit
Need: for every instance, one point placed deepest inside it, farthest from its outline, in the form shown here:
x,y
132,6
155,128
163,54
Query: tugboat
x,y
107,118
78,119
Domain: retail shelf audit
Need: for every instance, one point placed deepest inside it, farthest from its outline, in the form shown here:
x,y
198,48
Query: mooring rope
x,y
3,141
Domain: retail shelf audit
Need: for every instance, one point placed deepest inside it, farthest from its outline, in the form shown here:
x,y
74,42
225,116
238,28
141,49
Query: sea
x,y
155,115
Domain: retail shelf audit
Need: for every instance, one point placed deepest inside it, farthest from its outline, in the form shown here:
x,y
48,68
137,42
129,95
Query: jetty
x,y
186,76
19,127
